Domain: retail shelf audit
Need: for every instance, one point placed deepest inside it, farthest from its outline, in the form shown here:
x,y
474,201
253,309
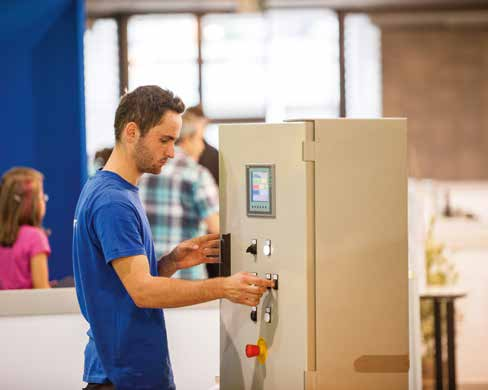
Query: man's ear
x,y
131,132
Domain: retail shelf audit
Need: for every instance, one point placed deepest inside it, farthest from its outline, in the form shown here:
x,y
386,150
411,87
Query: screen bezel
x,y
272,191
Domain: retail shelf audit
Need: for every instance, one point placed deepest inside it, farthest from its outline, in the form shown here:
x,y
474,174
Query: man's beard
x,y
144,161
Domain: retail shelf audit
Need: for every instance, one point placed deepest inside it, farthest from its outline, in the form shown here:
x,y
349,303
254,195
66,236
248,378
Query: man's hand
x,y
245,288
204,249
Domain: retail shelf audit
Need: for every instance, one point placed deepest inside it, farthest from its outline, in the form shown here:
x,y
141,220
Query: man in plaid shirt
x,y
182,201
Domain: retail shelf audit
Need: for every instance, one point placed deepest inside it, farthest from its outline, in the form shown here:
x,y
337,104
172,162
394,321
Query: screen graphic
x,y
260,187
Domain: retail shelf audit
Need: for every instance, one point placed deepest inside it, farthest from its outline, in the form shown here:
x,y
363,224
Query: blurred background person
x,y
209,159
24,247
210,156
182,201
101,157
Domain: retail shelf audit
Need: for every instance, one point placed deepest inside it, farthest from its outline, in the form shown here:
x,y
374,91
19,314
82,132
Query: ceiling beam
x,y
445,19
99,8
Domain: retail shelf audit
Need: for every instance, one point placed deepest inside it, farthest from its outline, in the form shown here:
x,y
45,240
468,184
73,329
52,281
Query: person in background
x,y
24,247
210,156
182,201
101,157
209,159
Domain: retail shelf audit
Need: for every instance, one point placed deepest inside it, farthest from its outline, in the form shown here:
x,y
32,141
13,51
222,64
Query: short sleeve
x,y
36,242
119,231
206,194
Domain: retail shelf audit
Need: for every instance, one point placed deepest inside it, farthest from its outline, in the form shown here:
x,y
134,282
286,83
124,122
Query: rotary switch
x,y
253,248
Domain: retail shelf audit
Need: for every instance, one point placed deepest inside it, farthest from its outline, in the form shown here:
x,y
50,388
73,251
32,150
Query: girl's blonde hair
x,y
20,191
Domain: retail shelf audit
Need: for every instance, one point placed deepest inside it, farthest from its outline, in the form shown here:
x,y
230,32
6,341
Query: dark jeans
x,y
99,386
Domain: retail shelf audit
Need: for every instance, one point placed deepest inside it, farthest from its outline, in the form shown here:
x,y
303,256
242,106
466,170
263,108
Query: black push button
x,y
254,314
268,277
275,278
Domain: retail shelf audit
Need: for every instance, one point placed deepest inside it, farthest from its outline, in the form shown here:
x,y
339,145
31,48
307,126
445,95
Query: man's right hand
x,y
245,288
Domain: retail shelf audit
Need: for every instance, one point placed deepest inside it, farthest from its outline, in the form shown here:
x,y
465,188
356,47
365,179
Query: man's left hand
x,y
199,250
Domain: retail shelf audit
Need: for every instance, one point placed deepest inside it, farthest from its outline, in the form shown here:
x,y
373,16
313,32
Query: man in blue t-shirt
x,y
120,285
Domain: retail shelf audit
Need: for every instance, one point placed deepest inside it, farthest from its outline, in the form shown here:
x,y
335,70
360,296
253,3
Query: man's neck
x,y
123,165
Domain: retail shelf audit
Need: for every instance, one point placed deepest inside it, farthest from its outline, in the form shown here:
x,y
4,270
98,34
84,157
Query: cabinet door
x,y
361,254
244,147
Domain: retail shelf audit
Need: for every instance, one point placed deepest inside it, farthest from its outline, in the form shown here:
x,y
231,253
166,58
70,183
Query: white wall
x,y
466,246
472,316
46,351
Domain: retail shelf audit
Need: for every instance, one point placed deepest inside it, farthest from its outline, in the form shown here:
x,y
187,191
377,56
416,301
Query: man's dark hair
x,y
145,106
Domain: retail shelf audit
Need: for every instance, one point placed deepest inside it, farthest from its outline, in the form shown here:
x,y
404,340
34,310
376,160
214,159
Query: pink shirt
x,y
15,261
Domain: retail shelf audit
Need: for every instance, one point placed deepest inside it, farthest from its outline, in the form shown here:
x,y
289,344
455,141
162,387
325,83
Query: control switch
x,y
268,277
253,248
267,248
275,278
267,315
254,314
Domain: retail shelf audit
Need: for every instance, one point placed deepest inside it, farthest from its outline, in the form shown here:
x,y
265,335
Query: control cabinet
x,y
320,206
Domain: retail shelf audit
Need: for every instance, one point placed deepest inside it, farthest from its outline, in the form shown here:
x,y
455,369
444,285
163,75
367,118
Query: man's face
x,y
153,150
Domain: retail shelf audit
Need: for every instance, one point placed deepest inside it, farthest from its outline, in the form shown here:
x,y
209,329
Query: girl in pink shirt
x,y
24,247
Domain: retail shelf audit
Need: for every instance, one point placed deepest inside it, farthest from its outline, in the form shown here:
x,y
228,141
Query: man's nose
x,y
171,151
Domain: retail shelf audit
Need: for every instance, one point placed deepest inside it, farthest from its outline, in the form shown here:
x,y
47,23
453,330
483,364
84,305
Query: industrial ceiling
x,y
111,7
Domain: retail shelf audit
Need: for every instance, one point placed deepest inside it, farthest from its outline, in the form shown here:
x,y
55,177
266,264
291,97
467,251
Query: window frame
x,y
122,40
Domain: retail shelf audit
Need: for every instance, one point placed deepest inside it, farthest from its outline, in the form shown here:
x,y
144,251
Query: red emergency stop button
x,y
260,351
252,350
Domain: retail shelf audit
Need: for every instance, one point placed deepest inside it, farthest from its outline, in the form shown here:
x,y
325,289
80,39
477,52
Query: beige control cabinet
x,y
321,206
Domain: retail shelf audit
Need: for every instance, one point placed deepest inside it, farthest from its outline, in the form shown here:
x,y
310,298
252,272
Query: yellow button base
x,y
263,351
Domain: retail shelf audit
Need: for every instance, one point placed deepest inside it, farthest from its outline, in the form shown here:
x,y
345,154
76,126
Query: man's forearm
x,y
163,292
167,265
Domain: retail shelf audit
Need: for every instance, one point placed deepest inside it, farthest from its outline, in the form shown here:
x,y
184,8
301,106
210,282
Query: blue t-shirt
x,y
127,345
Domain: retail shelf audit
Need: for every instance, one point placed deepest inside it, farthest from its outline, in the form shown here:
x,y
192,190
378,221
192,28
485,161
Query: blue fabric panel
x,y
42,107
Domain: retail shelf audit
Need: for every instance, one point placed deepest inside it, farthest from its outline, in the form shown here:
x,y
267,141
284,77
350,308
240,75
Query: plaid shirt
x,y
177,201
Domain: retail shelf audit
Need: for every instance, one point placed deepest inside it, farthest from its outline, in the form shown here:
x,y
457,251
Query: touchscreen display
x,y
260,187
260,190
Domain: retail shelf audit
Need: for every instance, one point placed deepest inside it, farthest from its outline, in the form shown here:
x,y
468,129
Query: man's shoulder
x,y
194,172
180,170
182,160
99,194
182,167
108,192
209,150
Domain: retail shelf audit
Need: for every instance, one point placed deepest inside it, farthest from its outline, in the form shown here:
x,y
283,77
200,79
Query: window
x,y
163,50
233,51
276,65
303,65
101,85
363,67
